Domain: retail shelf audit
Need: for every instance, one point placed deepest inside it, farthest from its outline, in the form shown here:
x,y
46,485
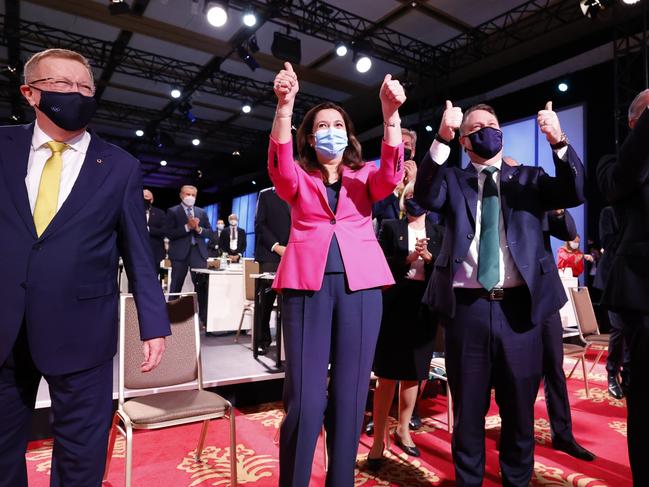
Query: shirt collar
x,y
79,143
481,167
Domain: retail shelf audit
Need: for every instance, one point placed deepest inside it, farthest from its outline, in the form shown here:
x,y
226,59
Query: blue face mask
x,y
331,142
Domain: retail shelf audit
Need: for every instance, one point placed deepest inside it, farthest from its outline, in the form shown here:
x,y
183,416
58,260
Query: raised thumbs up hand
x,y
286,85
451,121
549,124
392,96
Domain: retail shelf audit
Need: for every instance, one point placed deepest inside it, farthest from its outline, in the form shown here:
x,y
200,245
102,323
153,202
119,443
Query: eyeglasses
x,y
65,85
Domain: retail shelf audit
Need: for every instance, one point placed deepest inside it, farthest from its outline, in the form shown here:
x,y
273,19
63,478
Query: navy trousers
x,y
636,335
332,325
554,380
493,344
81,410
179,270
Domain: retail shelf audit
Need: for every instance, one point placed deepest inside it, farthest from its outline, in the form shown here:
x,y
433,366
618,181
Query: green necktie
x,y
489,250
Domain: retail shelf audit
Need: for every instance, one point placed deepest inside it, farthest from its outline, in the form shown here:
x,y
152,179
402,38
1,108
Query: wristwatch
x,y
439,139
563,142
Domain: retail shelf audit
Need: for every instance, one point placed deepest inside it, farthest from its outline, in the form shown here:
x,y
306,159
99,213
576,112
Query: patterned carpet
x,y
165,457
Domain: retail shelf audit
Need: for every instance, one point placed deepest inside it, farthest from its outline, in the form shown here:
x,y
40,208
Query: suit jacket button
x,y
23,285
333,221
470,236
458,260
36,247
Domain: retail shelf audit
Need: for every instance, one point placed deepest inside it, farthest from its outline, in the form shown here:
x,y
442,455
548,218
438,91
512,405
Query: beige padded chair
x,y
249,267
438,371
180,365
587,322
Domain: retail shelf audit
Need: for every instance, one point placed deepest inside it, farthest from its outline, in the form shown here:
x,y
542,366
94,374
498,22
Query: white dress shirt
x,y
467,275
234,238
39,153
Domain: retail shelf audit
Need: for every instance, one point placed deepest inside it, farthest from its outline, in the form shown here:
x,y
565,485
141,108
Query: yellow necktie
x,y
48,190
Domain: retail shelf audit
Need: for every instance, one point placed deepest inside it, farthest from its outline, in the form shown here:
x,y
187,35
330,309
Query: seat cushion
x,y
169,406
603,338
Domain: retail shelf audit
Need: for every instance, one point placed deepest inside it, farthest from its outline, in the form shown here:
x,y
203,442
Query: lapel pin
x,y
99,161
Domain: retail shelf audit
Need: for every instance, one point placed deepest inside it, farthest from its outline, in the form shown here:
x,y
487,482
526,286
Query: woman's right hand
x,y
286,86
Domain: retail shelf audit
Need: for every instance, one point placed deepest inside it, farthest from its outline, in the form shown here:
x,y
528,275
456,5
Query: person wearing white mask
x,y
233,239
213,246
569,256
187,228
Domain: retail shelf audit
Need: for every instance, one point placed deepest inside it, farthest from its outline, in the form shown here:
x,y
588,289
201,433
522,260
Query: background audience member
x,y
155,221
407,337
233,239
213,247
571,257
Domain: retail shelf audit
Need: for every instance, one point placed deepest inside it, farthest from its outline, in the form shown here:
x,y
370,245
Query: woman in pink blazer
x,y
331,275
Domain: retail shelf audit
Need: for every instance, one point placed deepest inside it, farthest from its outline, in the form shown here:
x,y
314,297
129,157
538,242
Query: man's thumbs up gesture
x,y
549,124
451,121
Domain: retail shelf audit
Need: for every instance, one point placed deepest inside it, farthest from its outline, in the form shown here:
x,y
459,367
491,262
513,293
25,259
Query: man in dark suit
x,y
272,228
623,180
213,248
617,359
494,282
155,220
187,228
63,231
233,239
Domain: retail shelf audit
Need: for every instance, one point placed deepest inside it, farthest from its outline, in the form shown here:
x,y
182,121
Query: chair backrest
x,y
180,363
249,267
584,311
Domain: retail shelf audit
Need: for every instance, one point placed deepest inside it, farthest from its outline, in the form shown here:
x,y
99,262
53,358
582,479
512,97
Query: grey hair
x,y
636,108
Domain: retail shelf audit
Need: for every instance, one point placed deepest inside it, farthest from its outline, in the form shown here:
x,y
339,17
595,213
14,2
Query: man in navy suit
x,y
493,281
70,206
156,220
623,180
187,228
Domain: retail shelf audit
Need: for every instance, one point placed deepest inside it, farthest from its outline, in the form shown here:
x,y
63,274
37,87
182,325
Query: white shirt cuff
x,y
186,228
439,152
561,153
272,249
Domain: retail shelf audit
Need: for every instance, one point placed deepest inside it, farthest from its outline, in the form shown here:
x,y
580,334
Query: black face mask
x,y
70,111
407,154
486,142
413,208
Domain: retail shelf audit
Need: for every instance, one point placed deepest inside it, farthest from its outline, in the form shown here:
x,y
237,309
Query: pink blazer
x,y
313,224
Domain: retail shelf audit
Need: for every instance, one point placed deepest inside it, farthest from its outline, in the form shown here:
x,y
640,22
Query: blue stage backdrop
x,y
213,214
245,207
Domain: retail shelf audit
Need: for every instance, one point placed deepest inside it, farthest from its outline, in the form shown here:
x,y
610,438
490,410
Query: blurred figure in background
x,y
233,239
155,221
571,257
213,247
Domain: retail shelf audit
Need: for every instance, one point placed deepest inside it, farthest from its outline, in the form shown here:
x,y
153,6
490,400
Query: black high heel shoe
x,y
375,464
413,451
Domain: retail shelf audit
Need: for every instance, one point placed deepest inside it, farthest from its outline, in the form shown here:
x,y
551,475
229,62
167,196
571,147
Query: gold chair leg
x,y
450,408
129,453
583,366
233,449
111,446
201,440
572,371
243,315
277,433
599,356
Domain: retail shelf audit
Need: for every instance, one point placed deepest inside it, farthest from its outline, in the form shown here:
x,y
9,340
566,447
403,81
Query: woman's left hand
x,y
392,96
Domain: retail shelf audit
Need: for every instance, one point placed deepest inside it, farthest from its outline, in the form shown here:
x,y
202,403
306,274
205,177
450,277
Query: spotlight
x,y
254,182
139,132
562,87
591,8
363,63
196,141
341,49
247,58
630,2
118,7
236,153
429,128
252,44
217,13
175,93
249,18
246,108
163,163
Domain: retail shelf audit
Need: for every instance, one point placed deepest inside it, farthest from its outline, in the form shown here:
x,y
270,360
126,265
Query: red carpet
x,y
164,457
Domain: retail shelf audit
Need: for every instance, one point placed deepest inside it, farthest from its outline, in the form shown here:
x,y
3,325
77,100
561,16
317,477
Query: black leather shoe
x,y
413,451
573,449
369,429
415,422
614,388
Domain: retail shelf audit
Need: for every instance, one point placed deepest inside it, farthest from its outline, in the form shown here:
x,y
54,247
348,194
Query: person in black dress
x,y
406,340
